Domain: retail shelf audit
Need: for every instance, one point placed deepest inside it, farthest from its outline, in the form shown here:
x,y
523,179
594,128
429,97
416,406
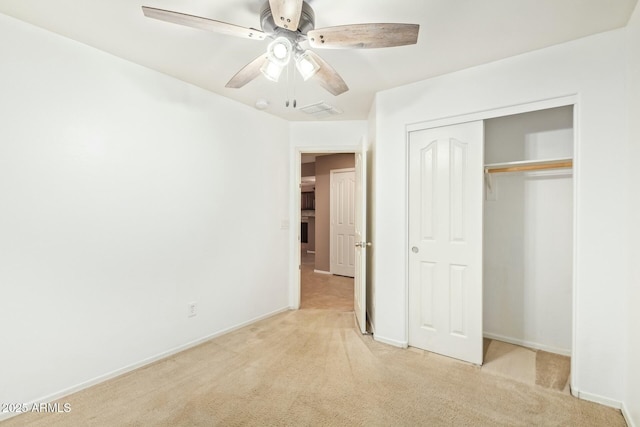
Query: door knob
x,y
415,250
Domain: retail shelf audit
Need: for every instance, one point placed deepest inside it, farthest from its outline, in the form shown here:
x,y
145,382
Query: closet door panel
x,y
426,296
458,295
445,240
428,156
457,179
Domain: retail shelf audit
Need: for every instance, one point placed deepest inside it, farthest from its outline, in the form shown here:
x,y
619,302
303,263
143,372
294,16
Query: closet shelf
x,y
529,165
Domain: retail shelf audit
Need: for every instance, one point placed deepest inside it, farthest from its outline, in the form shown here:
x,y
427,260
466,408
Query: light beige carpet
x,y
311,368
534,367
553,370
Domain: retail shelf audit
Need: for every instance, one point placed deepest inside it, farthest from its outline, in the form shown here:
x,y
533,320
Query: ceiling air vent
x,y
321,109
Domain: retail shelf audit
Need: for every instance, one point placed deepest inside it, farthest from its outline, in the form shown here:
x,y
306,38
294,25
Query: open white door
x,y
360,280
445,240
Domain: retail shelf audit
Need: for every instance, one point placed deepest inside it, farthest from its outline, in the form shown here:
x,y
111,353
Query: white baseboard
x,y
597,399
110,375
321,271
529,344
627,416
389,341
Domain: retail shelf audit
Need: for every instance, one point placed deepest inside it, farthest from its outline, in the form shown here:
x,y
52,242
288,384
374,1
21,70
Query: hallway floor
x,y
323,291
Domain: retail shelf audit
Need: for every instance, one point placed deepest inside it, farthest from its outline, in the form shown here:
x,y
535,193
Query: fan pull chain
x,y
293,72
291,86
286,103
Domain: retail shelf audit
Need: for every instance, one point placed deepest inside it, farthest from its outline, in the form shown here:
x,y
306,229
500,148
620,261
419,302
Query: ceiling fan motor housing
x,y
268,25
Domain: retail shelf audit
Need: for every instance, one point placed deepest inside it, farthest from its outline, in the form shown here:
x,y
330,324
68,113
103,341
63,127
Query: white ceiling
x,y
454,34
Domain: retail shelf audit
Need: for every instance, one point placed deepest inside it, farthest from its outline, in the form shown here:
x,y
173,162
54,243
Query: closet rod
x,y
525,166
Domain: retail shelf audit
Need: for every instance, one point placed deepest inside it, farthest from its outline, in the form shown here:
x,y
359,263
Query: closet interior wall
x,y
528,232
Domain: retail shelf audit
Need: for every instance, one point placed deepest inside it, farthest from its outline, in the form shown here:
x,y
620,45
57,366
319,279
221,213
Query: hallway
x,y
323,291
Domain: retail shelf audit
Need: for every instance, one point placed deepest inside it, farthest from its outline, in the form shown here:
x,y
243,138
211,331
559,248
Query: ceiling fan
x,y
290,23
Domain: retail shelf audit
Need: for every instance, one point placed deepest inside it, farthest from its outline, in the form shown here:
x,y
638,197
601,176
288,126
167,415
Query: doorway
x,y
357,159
321,286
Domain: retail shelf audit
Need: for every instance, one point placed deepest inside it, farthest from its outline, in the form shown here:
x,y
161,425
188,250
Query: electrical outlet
x,y
192,309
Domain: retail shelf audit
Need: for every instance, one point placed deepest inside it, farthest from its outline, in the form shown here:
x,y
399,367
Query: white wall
x,y
528,233
327,135
314,137
122,201
632,401
593,69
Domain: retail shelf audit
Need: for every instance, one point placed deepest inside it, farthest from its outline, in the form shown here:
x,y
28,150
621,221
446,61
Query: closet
x,y
528,229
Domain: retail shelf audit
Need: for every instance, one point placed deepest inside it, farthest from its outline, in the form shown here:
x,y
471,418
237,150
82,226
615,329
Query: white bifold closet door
x,y
445,240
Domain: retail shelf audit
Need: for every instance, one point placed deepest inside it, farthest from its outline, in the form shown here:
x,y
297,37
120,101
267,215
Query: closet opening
x,y
528,215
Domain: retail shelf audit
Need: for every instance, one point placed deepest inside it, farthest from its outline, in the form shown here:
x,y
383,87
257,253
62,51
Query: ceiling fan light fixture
x,y
279,51
278,57
272,70
306,65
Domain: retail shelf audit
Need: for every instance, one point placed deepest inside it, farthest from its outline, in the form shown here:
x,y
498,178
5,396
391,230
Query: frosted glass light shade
x,y
278,56
306,65
272,70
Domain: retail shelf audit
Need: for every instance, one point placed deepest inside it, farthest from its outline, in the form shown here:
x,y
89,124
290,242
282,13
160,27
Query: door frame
x,y
563,101
295,214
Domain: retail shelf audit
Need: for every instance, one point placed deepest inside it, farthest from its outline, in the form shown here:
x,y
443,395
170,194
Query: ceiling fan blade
x,y
202,23
364,36
327,77
247,73
286,13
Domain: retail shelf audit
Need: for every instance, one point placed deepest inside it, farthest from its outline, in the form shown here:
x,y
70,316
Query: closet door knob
x,y
415,250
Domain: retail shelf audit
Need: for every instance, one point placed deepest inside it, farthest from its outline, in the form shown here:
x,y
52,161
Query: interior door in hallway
x,y
445,240
360,282
342,217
